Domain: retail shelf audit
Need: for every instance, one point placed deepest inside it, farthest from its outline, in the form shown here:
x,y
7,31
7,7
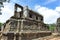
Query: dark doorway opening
x,y
10,36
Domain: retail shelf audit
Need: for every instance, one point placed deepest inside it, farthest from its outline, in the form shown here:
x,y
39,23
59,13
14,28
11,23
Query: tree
x,y
0,25
52,27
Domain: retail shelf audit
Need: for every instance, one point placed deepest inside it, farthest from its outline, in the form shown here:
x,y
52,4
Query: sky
x,y
50,9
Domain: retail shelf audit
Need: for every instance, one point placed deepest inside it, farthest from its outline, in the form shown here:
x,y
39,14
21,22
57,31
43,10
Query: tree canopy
x,y
52,27
1,24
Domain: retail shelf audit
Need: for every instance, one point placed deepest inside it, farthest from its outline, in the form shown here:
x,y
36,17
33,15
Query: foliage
x,y
1,24
52,27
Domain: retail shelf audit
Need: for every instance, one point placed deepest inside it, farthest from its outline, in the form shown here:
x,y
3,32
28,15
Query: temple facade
x,y
58,25
25,24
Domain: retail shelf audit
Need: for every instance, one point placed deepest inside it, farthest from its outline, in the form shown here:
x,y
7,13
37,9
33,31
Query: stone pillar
x,y
4,38
34,17
18,26
18,15
38,27
20,38
22,25
2,28
25,11
14,37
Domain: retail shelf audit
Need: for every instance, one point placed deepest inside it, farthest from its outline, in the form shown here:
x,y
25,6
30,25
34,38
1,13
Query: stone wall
x,y
30,36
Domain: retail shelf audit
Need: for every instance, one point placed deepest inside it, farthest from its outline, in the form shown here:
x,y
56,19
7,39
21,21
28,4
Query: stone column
x,y
18,26
34,17
18,14
14,37
20,38
2,28
4,38
22,25
38,26
25,12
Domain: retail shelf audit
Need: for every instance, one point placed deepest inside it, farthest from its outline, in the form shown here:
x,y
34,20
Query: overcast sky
x,y
50,9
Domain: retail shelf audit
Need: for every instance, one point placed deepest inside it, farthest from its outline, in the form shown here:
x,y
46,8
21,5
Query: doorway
x,y
10,36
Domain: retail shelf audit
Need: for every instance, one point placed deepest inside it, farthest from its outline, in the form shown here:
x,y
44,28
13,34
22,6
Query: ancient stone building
x,y
24,25
58,25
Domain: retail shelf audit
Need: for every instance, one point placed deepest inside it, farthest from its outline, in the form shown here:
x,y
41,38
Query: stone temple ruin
x,y
24,25
58,25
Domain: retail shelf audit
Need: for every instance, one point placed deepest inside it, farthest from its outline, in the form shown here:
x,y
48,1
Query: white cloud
x,y
49,1
58,9
50,15
7,12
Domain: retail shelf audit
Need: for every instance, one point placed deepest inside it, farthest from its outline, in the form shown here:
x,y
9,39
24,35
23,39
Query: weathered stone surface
x,y
58,25
55,36
23,26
